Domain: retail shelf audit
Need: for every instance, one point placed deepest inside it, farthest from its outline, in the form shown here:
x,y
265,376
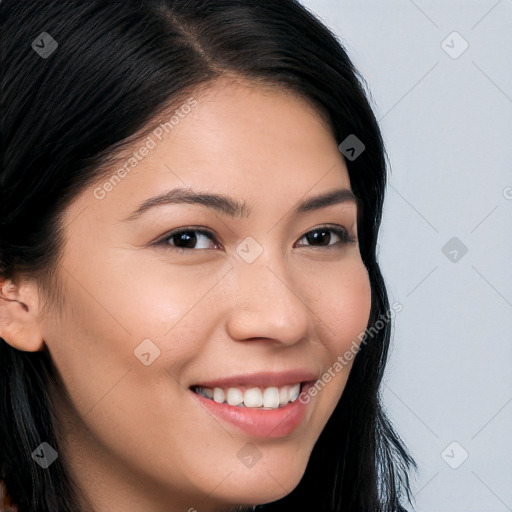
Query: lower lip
x,y
269,423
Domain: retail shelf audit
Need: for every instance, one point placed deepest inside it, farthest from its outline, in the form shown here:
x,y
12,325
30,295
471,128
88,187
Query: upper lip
x,y
263,379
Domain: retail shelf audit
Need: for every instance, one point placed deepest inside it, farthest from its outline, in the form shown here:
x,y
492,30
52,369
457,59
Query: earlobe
x,y
19,324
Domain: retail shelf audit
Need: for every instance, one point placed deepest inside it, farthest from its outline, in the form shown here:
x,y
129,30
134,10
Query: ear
x,y
19,323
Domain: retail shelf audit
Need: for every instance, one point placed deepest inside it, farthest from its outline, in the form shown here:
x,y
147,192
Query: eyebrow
x,y
233,207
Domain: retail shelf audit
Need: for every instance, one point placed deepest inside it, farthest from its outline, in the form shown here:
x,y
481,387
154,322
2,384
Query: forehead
x,y
249,141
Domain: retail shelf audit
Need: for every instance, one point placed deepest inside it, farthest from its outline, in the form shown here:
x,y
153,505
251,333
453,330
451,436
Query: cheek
x,y
346,302
344,311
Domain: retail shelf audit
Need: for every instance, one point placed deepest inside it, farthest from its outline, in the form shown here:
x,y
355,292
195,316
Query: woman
x,y
191,310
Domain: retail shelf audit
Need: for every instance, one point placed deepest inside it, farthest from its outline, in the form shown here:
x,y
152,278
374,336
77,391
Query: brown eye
x,y
321,237
186,239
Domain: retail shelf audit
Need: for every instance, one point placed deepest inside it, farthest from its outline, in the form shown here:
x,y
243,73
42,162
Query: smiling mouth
x,y
256,397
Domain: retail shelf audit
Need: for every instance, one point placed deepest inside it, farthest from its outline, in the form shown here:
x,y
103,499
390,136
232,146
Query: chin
x,y
267,484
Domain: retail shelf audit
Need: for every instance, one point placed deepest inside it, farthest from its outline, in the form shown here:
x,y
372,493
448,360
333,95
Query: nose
x,y
268,304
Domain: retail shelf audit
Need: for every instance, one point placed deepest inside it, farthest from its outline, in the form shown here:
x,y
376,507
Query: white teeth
x,y
218,395
294,392
253,397
272,397
234,396
284,395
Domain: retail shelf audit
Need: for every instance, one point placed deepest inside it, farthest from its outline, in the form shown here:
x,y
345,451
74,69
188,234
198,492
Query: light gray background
x,y
447,125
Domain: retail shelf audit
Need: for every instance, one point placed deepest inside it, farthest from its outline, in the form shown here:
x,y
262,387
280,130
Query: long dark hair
x,y
64,116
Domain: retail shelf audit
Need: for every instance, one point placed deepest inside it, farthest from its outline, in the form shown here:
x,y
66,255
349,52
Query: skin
x,y
134,436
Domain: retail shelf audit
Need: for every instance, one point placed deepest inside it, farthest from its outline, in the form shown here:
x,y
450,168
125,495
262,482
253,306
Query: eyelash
x,y
342,233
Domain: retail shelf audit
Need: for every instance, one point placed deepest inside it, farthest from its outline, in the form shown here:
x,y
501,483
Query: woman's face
x,y
268,297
